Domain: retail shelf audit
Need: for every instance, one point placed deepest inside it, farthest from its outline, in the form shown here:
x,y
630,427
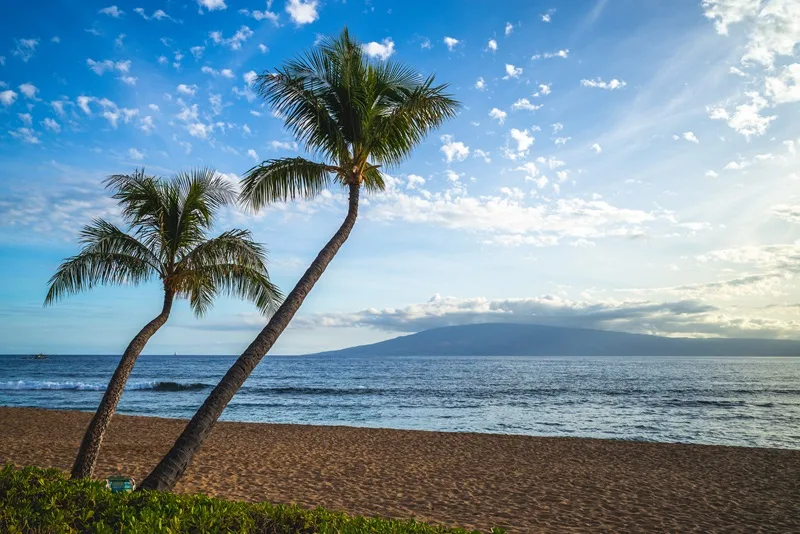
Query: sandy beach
x,y
524,484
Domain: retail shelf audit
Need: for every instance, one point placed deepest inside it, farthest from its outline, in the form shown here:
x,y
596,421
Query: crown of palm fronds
x,y
356,113
169,221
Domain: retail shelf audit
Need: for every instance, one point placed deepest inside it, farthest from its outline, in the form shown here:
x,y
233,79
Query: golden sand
x,y
525,484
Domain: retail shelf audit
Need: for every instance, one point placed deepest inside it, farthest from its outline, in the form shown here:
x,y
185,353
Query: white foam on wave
x,y
33,385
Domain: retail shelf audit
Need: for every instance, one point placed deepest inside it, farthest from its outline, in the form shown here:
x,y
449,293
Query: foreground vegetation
x,y
45,501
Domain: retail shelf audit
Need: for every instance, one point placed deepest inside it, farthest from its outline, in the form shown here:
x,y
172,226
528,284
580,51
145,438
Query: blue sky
x,y
617,164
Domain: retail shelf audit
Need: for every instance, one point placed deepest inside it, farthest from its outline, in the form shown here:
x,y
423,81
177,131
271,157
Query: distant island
x,y
504,339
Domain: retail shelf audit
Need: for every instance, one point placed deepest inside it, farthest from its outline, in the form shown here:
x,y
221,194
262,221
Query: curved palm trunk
x,y
172,466
90,446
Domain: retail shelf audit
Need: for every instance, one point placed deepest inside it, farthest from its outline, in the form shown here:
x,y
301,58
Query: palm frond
x,y
352,110
232,264
108,256
407,115
373,180
233,280
278,180
194,200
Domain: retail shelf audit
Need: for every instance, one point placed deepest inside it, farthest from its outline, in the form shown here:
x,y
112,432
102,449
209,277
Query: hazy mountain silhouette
x,y
503,339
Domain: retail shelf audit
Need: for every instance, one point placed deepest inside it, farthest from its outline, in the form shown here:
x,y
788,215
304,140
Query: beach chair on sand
x,y
120,484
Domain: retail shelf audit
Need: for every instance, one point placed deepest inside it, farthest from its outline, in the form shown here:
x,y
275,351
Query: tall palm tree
x,y
359,116
167,241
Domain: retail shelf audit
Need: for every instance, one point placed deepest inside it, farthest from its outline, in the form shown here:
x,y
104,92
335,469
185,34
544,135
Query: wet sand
x,y
524,484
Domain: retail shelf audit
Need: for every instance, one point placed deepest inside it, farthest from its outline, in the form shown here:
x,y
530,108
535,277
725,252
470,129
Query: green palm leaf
x,y
355,113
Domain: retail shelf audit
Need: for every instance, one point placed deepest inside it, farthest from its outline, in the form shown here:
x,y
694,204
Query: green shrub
x,y
34,500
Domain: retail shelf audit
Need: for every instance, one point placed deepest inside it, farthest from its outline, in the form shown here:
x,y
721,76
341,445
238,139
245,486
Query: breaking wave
x,y
33,385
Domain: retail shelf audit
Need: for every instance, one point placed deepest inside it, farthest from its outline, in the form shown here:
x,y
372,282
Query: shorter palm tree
x,y
168,223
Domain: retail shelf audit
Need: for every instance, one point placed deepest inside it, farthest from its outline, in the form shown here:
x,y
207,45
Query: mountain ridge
x,y
518,339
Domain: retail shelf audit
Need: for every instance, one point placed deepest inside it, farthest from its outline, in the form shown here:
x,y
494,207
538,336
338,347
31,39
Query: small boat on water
x,y
39,356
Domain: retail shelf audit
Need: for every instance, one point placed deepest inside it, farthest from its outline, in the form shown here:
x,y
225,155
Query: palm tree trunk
x,y
90,446
172,466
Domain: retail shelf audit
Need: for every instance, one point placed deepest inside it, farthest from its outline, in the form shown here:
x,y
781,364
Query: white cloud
x,y
775,31
83,103
216,103
51,125
253,154
414,181
28,90
561,141
736,165
787,212
26,135
508,221
544,90
684,318
482,154
263,48
24,48
382,50
158,14
225,73
712,174
746,119
498,115
197,51
551,163
26,118
146,125
101,67
7,97
512,71
480,85
250,77
211,5
451,43
691,137
492,45
302,12
111,11
188,90
509,28
563,54
524,103
129,80
199,130
453,150
727,12
600,84
784,88
597,148
135,154
548,17
283,145
524,141
274,18
234,42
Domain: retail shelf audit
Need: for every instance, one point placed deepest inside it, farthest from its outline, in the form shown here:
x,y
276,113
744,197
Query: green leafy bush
x,y
34,500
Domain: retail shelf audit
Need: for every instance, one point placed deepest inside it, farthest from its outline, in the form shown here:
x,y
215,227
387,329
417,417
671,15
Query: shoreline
x,y
522,483
423,430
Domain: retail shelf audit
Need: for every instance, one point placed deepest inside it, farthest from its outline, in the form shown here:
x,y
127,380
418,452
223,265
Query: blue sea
x,y
728,401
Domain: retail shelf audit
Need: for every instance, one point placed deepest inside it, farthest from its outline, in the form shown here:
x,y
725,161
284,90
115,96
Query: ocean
x,y
724,401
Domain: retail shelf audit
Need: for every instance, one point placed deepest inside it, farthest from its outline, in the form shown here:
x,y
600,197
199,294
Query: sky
x,y
617,164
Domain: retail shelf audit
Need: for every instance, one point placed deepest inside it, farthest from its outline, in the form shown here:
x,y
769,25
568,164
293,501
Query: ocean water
x,y
730,401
